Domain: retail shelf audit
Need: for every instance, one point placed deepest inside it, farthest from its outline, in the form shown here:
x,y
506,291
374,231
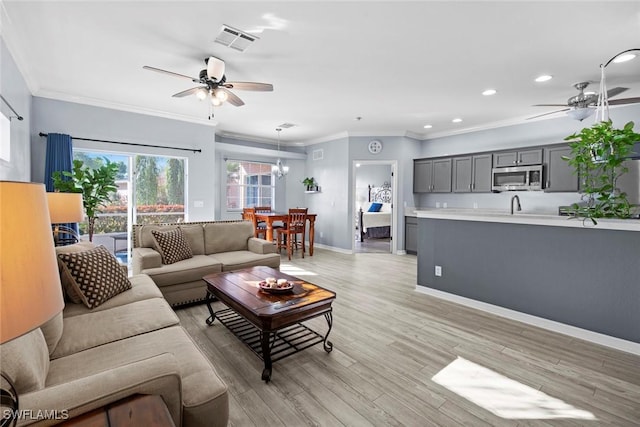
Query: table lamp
x,y
65,208
30,292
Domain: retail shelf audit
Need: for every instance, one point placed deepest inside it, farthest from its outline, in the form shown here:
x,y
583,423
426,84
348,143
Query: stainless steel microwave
x,y
517,178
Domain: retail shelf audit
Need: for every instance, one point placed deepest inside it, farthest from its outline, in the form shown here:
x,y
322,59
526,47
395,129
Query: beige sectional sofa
x,y
85,358
216,246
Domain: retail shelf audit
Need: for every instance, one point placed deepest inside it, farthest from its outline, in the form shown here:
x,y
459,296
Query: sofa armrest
x,y
144,258
261,246
156,375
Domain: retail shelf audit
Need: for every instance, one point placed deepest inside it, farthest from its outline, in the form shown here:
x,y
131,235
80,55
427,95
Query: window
x,y
249,184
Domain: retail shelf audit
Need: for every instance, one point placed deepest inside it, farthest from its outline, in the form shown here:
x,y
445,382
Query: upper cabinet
x,y
472,174
432,176
558,174
517,158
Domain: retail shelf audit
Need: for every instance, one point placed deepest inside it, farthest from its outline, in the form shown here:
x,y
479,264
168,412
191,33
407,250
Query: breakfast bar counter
x,y
551,267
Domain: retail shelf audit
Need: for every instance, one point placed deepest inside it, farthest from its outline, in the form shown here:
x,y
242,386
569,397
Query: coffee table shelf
x,y
284,342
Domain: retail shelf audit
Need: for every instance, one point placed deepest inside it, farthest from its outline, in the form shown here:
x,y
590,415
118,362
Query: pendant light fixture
x,y
279,169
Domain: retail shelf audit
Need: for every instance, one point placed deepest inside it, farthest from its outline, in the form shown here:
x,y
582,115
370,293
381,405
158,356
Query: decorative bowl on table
x,y
274,286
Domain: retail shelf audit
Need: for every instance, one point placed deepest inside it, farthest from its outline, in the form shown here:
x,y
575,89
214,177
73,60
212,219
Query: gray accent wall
x,y
582,277
14,89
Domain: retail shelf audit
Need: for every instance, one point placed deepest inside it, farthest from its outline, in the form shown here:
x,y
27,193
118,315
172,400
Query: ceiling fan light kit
x,y
581,113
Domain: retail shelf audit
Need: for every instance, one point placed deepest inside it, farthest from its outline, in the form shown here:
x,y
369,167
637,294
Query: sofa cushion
x,y
52,331
142,288
26,361
195,237
203,391
101,327
172,245
188,270
68,283
243,259
227,236
97,275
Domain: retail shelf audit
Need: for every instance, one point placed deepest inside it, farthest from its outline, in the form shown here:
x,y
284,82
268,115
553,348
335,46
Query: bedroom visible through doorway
x,y
373,201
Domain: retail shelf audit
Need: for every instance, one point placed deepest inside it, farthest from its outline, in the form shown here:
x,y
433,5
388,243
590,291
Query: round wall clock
x,y
375,146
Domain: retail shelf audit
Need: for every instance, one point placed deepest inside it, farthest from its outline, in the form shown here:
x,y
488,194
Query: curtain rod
x,y
129,143
18,116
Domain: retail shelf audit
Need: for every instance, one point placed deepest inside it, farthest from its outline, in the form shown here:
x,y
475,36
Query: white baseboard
x,y
401,252
332,248
584,334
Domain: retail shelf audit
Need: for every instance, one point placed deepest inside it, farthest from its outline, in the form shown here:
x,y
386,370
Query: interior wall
x,y
14,89
87,121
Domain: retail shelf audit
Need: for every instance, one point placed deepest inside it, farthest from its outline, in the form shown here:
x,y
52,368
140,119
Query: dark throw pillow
x,y
172,245
375,207
96,274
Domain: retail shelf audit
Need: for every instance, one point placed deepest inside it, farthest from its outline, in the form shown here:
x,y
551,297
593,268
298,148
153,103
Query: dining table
x,y
271,217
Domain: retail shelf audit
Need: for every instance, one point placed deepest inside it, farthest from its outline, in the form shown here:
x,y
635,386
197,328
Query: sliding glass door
x,y
151,189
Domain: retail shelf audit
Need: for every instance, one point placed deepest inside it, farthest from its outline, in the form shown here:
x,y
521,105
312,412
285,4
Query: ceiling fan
x,y
213,83
581,106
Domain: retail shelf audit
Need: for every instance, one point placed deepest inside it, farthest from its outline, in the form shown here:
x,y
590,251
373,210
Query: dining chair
x,y
249,214
296,224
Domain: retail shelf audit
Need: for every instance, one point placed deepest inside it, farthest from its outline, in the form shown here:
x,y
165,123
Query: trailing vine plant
x,y
597,156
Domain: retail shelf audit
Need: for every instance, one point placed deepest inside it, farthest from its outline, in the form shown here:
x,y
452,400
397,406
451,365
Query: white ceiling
x,y
398,65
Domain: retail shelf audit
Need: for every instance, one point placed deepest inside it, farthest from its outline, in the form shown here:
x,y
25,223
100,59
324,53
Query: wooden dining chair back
x,y
249,214
296,225
263,208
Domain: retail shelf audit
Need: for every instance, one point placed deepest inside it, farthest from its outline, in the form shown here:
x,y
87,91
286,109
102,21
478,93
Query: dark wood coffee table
x,y
270,324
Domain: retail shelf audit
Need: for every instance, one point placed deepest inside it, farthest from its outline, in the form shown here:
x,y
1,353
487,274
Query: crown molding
x,y
265,152
12,43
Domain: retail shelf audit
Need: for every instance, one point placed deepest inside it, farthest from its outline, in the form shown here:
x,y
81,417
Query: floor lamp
x,y
65,208
30,292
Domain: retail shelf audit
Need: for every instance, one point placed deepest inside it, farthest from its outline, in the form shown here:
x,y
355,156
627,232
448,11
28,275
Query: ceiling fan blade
x,y
546,114
259,87
189,91
232,98
215,68
616,91
171,73
549,105
624,101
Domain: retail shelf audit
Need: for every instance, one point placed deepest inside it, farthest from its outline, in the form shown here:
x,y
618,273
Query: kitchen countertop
x,y
486,215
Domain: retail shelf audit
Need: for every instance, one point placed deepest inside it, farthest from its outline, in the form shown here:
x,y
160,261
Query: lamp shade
x,y
65,207
30,292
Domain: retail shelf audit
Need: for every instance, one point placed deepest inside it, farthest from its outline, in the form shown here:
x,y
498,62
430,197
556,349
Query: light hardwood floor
x,y
389,341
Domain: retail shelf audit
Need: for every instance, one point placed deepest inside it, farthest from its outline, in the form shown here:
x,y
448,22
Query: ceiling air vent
x,y
234,38
287,125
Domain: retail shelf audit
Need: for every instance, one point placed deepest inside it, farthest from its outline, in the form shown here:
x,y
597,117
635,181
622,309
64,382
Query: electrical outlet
x,y
321,234
437,204
438,271
475,206
444,205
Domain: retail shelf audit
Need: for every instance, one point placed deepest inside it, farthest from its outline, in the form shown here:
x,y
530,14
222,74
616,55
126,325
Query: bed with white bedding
x,y
376,225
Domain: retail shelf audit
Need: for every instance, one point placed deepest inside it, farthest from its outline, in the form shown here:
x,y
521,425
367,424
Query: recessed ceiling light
x,y
457,120
489,92
543,78
624,58
428,126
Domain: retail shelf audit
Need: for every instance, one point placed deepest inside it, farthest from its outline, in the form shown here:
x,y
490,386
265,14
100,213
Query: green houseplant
x,y
96,185
309,182
597,155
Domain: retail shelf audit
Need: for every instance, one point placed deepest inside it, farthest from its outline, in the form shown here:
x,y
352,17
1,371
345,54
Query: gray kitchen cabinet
x,y
432,176
472,174
422,176
462,170
558,173
411,235
441,176
517,158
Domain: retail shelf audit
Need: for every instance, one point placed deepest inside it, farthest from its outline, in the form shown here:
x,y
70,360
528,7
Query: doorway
x,y
373,201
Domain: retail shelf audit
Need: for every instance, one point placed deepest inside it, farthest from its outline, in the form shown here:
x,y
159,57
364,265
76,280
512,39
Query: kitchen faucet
x,y
517,199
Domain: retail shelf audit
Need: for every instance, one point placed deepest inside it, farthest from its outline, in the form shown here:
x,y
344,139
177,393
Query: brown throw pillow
x,y
172,245
97,275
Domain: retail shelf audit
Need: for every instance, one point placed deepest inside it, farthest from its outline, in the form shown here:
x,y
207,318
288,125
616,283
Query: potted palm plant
x,y
309,183
96,185
597,155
